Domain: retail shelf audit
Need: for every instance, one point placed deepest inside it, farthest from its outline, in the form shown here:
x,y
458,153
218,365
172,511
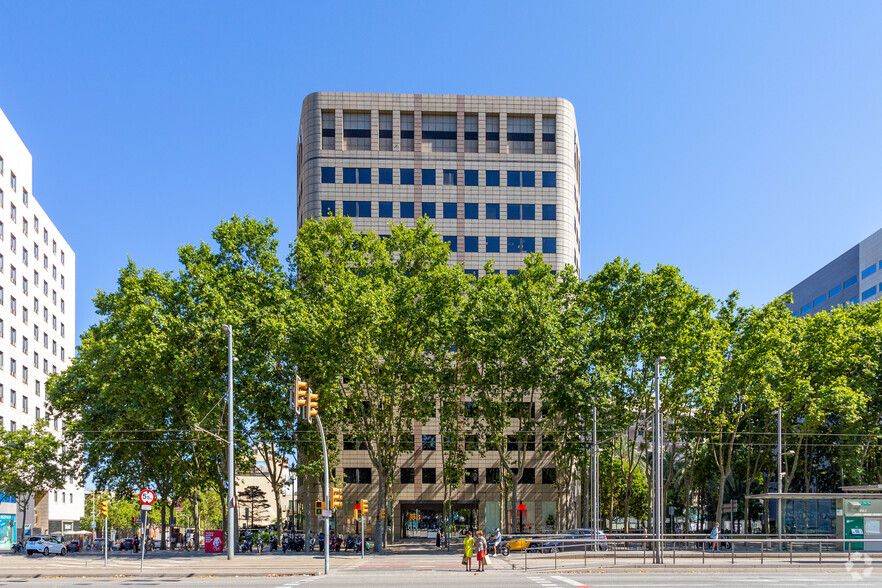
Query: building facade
x,y
500,178
855,277
37,330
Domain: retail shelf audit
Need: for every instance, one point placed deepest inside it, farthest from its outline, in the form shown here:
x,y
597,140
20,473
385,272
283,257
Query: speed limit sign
x,y
147,497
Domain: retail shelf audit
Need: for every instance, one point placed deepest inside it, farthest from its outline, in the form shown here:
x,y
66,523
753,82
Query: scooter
x,y
350,543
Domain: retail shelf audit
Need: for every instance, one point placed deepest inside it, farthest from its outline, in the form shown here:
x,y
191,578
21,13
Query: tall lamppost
x,y
231,467
657,465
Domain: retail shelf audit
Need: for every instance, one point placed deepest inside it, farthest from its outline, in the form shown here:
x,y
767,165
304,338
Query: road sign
x,y
146,507
147,496
327,513
93,524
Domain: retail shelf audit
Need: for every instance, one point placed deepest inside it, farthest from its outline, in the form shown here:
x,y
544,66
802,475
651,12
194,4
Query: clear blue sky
x,y
741,142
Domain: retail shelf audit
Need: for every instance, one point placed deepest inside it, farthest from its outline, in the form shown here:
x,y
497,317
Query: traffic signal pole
x,y
325,519
106,541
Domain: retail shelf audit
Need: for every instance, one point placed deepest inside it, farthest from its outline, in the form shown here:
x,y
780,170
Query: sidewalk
x,y
168,565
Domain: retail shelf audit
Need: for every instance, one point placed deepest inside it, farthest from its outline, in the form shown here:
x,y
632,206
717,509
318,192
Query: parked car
x,y
590,536
521,543
45,545
125,544
74,546
576,540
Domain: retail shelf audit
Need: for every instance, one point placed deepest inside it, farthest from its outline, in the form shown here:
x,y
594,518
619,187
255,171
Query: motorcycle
x,y
17,548
274,543
336,543
350,543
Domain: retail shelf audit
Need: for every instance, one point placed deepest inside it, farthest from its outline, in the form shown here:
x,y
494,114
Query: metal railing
x,y
564,552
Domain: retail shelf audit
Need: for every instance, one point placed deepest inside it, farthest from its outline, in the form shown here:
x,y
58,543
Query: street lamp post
x,y
779,510
231,467
657,465
595,491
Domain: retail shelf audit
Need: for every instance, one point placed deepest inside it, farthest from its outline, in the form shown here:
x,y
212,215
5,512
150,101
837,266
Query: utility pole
x,y
231,466
657,465
595,473
779,484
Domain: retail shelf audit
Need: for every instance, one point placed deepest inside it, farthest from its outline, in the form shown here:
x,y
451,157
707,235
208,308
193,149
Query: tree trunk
x,y
162,544
586,494
378,529
196,534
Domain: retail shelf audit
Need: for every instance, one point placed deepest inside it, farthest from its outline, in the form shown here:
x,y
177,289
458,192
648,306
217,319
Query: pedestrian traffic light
x,y
336,498
102,508
364,507
357,508
319,507
312,405
301,389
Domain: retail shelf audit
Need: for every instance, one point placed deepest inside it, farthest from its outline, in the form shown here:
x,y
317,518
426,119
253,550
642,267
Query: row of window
x,y
852,281
438,132
13,339
430,475
428,177
13,426
13,307
472,443
470,210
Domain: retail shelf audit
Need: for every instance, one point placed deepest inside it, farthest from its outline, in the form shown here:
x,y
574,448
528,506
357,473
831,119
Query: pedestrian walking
x,y
481,548
438,536
715,537
468,545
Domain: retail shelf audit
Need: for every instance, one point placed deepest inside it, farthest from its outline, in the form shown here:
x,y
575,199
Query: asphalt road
x,y
493,579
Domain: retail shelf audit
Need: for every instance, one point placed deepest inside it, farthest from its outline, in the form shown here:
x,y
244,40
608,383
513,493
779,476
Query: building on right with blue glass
x,y
855,277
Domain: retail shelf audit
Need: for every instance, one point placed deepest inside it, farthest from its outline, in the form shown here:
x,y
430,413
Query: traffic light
x,y
336,497
319,507
357,509
364,507
383,513
311,405
102,508
134,521
300,390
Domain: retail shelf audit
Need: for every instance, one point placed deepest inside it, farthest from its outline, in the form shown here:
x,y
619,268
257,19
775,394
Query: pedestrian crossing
x,y
299,581
556,582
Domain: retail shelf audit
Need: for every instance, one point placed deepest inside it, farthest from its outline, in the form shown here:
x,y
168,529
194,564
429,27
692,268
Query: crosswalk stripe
x,y
569,581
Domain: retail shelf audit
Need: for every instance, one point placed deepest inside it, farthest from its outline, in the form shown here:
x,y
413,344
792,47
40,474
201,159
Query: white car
x,y
45,545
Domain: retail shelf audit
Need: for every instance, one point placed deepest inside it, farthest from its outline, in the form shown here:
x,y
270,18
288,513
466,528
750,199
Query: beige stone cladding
x,y
508,170
349,146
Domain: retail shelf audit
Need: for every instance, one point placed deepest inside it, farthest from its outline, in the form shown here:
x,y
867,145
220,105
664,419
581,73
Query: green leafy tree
x,y
36,462
380,313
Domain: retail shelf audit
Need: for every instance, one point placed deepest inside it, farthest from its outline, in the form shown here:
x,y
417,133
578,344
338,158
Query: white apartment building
x,y
37,330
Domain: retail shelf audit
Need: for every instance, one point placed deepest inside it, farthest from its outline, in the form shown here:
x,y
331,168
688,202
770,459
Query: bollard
x,y
585,563
732,548
702,551
555,557
526,548
615,553
675,551
762,553
819,552
791,552
849,551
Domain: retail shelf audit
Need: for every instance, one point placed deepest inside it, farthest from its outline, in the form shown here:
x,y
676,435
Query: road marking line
x,y
569,581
